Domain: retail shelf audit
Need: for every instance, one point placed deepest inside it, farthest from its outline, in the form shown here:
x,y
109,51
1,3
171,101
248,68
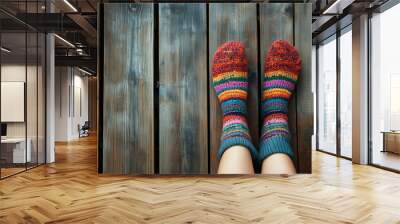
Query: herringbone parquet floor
x,y
70,191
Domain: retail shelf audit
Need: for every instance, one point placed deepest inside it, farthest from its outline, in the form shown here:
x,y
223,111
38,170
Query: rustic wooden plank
x,y
183,88
276,22
233,22
128,136
305,112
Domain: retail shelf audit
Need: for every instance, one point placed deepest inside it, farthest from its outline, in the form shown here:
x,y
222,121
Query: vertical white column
x,y
50,93
360,90
50,99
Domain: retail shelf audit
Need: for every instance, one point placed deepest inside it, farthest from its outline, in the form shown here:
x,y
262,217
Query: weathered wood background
x,y
160,113
183,88
128,122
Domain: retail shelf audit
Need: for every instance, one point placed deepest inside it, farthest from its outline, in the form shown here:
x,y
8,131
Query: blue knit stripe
x,y
275,144
230,102
234,107
274,105
243,141
274,101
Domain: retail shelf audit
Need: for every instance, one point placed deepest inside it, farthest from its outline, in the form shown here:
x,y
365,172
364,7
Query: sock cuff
x,y
275,144
243,141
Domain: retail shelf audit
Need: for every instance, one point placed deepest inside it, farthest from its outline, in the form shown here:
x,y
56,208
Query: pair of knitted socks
x,y
230,80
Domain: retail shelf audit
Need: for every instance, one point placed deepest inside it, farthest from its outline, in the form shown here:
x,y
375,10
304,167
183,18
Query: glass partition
x,y
14,153
22,88
32,96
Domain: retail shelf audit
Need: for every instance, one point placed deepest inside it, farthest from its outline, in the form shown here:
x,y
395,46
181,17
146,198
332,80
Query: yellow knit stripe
x,y
232,93
276,92
233,74
281,73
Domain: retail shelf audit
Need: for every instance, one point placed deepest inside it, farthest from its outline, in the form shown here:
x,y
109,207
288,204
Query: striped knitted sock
x,y
230,84
281,69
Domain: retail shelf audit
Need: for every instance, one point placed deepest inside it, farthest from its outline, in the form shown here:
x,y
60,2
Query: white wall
x,y
81,85
62,81
71,87
13,72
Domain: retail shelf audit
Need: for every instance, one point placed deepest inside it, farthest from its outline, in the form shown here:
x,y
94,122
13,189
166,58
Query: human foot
x,y
230,82
281,69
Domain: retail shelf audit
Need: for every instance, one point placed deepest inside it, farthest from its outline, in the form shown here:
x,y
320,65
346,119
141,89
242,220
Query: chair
x,y
84,130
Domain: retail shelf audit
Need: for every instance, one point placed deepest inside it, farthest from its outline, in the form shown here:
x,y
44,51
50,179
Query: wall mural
x,y
196,88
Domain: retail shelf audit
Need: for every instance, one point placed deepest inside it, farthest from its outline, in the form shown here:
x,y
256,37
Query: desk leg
x,y
384,142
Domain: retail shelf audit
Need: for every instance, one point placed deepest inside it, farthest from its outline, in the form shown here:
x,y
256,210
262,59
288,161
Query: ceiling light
x,y
5,50
70,5
65,41
84,71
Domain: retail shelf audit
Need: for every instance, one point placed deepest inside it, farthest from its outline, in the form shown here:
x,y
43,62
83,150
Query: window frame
x,y
334,37
381,9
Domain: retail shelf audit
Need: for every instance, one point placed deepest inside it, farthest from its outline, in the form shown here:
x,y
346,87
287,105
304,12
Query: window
x,y
385,89
334,109
346,93
327,96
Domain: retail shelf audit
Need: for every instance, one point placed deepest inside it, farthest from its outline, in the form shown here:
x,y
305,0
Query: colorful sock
x,y
230,84
281,69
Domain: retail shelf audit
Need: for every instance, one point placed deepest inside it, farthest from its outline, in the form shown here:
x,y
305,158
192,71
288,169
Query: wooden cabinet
x,y
391,142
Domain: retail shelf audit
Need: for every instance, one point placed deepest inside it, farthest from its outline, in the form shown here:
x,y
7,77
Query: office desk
x,y
391,141
13,150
